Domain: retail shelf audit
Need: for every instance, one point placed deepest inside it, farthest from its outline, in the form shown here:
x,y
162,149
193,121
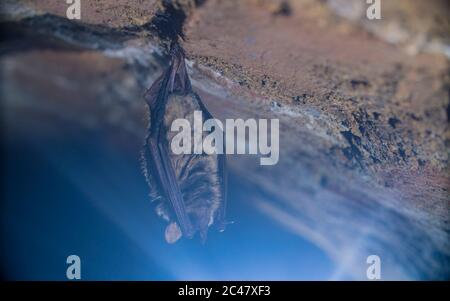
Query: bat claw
x,y
224,224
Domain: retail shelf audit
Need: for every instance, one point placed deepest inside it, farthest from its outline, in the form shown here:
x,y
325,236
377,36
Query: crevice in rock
x,y
169,21
54,32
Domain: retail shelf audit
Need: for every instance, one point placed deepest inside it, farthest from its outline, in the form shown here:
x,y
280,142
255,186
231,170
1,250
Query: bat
x,y
190,190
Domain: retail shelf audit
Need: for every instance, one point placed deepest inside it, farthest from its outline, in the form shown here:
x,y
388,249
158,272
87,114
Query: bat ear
x,y
172,233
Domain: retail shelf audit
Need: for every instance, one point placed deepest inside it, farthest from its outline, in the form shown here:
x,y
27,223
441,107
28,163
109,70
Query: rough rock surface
x,y
364,120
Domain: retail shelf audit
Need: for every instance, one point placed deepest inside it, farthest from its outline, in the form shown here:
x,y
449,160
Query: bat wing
x,y
165,175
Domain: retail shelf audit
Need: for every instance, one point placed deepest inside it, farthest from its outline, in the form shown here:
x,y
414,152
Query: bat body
x,y
189,189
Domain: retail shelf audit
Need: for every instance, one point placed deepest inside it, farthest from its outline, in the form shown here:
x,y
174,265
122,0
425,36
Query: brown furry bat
x,y
190,189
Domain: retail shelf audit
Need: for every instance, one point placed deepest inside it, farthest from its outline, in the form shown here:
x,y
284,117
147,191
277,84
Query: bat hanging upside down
x,y
189,189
